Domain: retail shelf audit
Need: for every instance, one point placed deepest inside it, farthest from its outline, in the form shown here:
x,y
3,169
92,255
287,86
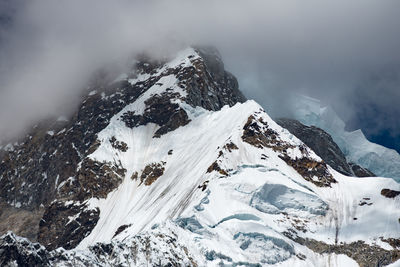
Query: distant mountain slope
x,y
322,144
380,160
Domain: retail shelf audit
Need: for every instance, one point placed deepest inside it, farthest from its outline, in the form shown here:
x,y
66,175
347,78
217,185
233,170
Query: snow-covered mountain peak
x,y
171,165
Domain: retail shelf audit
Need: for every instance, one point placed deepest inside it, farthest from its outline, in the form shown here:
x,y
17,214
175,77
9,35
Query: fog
x,y
345,53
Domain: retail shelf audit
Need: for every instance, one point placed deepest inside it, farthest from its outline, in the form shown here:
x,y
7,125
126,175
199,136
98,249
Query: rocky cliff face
x,y
322,144
171,166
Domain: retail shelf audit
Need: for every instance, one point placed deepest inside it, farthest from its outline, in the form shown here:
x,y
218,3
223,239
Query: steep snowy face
x,y
164,173
241,190
188,173
380,160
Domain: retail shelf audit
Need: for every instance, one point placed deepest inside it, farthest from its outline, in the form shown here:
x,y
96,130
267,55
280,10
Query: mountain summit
x,y
170,165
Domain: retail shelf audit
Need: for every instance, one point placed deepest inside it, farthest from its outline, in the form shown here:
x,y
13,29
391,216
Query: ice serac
x,y
187,173
380,160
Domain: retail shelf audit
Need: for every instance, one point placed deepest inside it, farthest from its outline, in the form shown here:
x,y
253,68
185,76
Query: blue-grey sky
x,y
345,53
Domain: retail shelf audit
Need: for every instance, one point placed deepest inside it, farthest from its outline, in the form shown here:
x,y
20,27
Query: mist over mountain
x,y
326,50
377,109
147,134
170,165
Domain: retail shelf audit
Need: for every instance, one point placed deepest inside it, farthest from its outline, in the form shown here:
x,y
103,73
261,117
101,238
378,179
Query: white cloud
x,y
322,47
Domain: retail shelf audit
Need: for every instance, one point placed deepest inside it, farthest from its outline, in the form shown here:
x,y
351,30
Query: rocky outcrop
x,y
257,133
359,171
21,221
364,254
148,249
32,169
324,146
16,251
44,165
161,111
313,171
389,193
152,172
208,84
65,224
215,167
119,145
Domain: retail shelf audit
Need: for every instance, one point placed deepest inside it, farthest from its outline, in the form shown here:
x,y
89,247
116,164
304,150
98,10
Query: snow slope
x,y
380,160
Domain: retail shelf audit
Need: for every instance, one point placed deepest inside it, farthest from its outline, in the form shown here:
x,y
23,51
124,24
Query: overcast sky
x,y
345,53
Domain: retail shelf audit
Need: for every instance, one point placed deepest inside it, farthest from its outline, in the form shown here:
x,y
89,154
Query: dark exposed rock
x,y
40,159
32,172
130,119
121,229
215,167
394,242
119,145
152,172
65,224
359,171
257,133
231,146
22,252
208,84
323,145
365,201
94,179
98,179
204,185
159,110
19,220
179,118
17,251
134,176
364,254
313,171
389,193
44,165
320,142
28,173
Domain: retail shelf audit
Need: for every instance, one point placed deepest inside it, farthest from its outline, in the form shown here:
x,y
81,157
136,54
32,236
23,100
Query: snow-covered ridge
x,y
260,198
